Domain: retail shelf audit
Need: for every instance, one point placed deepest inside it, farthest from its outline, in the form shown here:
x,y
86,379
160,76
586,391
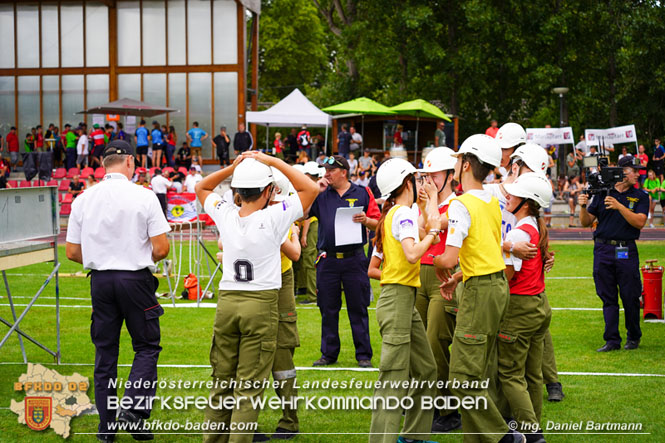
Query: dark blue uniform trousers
x,y
610,273
127,296
331,274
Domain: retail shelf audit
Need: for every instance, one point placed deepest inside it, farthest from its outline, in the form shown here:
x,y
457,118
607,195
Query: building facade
x,y
60,57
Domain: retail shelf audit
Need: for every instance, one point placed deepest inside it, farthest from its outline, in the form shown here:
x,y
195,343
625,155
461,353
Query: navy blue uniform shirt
x,y
325,207
611,224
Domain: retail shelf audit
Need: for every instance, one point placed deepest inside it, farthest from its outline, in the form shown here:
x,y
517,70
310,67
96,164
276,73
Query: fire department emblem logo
x,y
38,412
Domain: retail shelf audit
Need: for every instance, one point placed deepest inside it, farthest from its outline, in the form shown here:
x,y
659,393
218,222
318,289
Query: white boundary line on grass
x,y
342,369
214,306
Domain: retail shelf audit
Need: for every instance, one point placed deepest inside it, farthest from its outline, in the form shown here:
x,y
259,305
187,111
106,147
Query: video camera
x,y
601,177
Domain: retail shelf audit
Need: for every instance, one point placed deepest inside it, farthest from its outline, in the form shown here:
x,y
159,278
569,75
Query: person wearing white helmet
x,y
247,316
405,352
438,314
522,332
510,136
474,239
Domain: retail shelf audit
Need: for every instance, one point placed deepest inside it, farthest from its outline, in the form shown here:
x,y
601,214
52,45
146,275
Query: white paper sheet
x,y
348,232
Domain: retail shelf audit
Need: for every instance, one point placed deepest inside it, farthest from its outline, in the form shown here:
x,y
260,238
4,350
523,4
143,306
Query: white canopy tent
x,y
294,109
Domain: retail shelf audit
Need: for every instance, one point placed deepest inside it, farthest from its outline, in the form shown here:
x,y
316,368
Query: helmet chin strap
x,y
413,188
445,181
270,186
516,210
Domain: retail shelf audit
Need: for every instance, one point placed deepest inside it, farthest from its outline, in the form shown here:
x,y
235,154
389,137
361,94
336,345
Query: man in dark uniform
x,y
222,143
342,265
120,249
621,215
242,141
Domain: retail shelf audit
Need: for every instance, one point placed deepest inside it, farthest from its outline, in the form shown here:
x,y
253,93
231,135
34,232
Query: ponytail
x,y
544,242
387,206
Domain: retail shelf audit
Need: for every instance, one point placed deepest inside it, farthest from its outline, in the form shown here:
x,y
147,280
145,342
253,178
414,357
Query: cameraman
x,y
621,215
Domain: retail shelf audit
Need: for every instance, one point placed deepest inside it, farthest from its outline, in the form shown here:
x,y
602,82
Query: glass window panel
x,y
96,34
6,104
72,99
225,32
176,16
50,35
71,33
51,99
7,36
154,35
198,32
129,34
154,89
27,22
129,86
226,101
178,100
28,104
98,92
199,106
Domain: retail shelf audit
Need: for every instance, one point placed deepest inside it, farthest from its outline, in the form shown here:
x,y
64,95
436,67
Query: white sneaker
x,y
651,225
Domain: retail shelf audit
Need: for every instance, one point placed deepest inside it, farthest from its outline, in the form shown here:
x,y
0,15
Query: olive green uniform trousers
x,y
307,260
482,306
550,374
438,315
243,348
521,339
405,355
283,369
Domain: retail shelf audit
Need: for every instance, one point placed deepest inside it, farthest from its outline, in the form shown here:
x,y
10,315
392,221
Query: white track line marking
x,y
342,369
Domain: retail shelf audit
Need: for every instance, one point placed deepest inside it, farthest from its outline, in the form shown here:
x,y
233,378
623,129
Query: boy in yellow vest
x,y
474,237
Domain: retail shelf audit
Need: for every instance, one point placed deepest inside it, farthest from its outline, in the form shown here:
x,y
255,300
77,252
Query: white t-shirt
x,y
405,224
353,165
459,219
517,235
113,222
191,181
251,259
507,218
177,186
160,184
82,145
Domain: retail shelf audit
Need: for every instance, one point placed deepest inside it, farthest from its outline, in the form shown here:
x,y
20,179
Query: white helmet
x,y
281,182
510,135
439,159
251,173
482,146
531,185
533,155
311,168
299,167
391,174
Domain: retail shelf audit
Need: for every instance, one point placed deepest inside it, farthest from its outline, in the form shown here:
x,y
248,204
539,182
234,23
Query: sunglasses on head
x,y
332,161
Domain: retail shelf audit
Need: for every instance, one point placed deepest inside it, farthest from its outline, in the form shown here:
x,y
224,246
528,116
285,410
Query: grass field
x,y
186,340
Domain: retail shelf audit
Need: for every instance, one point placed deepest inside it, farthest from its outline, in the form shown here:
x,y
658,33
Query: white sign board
x,y
613,136
550,136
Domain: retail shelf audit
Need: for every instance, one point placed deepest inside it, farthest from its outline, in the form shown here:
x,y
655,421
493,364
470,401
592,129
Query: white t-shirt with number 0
x,y
251,259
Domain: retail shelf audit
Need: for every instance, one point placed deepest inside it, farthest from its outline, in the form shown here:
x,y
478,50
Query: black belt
x,y
347,254
606,241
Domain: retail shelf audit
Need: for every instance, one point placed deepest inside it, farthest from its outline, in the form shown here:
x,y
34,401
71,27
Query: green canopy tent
x,y
361,106
419,108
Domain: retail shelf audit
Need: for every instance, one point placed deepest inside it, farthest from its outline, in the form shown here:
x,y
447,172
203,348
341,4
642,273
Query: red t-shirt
x,y
12,142
644,159
39,142
492,131
278,146
437,249
97,136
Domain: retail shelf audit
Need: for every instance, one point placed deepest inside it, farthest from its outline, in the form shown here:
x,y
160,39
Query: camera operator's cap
x,y
532,185
336,161
118,147
630,161
484,147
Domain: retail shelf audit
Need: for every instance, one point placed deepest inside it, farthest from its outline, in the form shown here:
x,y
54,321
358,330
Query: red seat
x,y
12,183
168,169
65,209
25,184
87,172
182,170
151,171
39,183
100,173
64,185
52,183
72,172
67,198
60,173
